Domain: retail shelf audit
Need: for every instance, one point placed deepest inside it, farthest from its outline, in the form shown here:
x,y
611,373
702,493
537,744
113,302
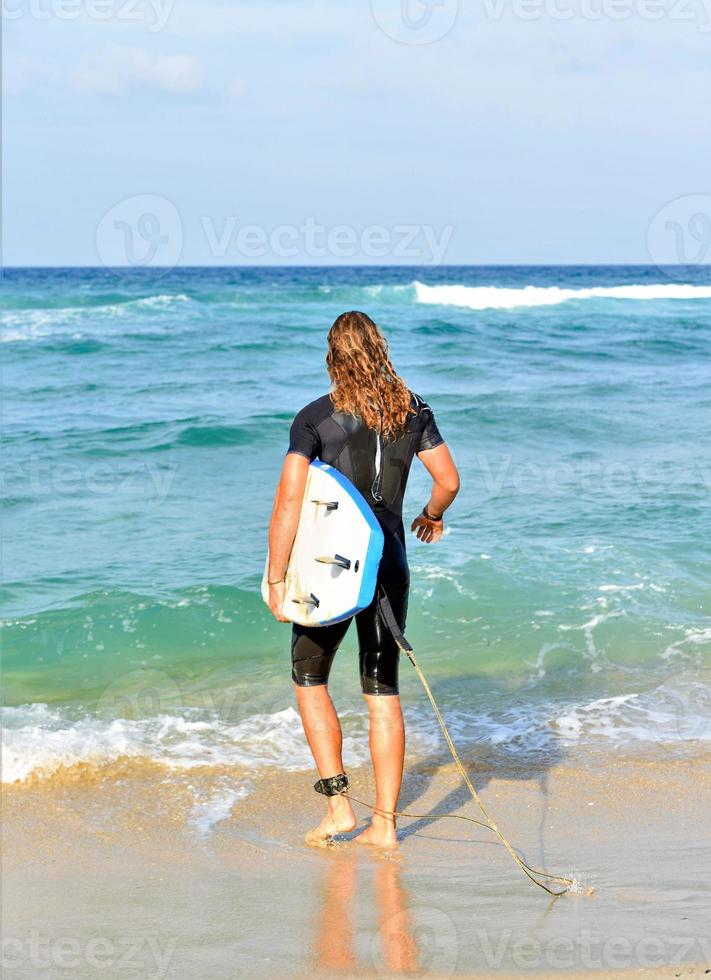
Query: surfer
x,y
370,427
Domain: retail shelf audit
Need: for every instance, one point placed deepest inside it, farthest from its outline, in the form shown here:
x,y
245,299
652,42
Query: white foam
x,y
587,628
693,637
208,813
164,299
666,714
437,573
33,324
38,739
621,588
500,298
538,664
672,713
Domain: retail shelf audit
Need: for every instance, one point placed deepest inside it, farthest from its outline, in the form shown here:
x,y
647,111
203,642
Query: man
x,y
370,427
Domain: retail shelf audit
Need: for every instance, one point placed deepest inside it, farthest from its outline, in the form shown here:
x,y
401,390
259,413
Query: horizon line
x,y
363,265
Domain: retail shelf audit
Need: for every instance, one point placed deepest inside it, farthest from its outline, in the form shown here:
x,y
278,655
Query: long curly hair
x,y
365,383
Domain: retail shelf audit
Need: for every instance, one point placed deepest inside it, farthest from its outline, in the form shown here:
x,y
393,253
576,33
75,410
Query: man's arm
x,y
284,522
445,486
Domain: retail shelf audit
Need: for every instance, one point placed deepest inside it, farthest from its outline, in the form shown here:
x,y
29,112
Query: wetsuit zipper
x,y
377,483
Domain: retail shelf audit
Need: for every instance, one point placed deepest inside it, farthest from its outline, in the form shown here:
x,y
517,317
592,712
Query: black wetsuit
x,y
379,469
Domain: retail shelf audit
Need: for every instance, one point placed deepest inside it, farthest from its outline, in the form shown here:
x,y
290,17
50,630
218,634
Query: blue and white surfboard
x,y
333,566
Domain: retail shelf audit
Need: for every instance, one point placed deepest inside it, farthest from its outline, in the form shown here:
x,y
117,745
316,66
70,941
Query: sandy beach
x,y
154,872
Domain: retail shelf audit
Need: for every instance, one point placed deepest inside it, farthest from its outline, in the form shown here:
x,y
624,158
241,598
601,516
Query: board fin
x,y
328,504
335,560
306,600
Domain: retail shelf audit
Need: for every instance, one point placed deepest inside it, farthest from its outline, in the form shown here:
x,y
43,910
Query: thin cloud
x,y
236,89
23,75
116,70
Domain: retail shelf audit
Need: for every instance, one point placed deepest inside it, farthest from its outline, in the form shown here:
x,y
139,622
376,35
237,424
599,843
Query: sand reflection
x,y
338,941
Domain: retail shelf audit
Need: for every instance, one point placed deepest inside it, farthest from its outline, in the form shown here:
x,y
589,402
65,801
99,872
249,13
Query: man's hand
x,y
276,601
428,531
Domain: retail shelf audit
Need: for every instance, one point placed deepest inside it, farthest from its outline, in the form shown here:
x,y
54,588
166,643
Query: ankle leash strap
x,y
332,786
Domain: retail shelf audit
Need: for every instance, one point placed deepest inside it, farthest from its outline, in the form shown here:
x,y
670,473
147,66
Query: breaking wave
x,y
498,298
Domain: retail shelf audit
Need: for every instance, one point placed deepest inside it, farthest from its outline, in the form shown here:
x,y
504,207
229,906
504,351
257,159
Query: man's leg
x,y
312,651
379,657
323,733
387,750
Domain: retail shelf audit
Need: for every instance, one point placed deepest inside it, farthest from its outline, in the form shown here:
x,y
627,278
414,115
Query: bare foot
x,y
340,819
381,833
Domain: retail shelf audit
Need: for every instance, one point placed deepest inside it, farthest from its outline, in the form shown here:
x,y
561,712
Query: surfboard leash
x,y
531,873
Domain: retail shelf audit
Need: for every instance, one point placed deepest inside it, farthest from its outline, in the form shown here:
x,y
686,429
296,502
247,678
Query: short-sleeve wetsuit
x,y
379,469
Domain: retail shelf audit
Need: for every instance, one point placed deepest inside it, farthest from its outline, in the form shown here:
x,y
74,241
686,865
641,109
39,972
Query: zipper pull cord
x,y
375,493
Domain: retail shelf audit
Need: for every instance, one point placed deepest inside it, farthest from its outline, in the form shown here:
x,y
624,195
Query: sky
x,y
378,131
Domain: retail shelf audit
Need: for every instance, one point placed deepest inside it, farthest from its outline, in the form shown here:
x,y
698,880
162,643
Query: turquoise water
x,y
145,419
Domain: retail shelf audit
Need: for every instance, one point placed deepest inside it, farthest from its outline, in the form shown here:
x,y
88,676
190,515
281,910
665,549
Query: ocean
x,y
146,414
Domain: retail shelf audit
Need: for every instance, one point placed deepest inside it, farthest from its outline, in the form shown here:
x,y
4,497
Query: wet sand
x,y
134,870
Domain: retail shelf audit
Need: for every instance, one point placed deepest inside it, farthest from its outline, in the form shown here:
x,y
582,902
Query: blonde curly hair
x,y
365,382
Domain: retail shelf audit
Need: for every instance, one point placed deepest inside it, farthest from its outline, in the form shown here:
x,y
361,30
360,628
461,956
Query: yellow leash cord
x,y
459,816
531,873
